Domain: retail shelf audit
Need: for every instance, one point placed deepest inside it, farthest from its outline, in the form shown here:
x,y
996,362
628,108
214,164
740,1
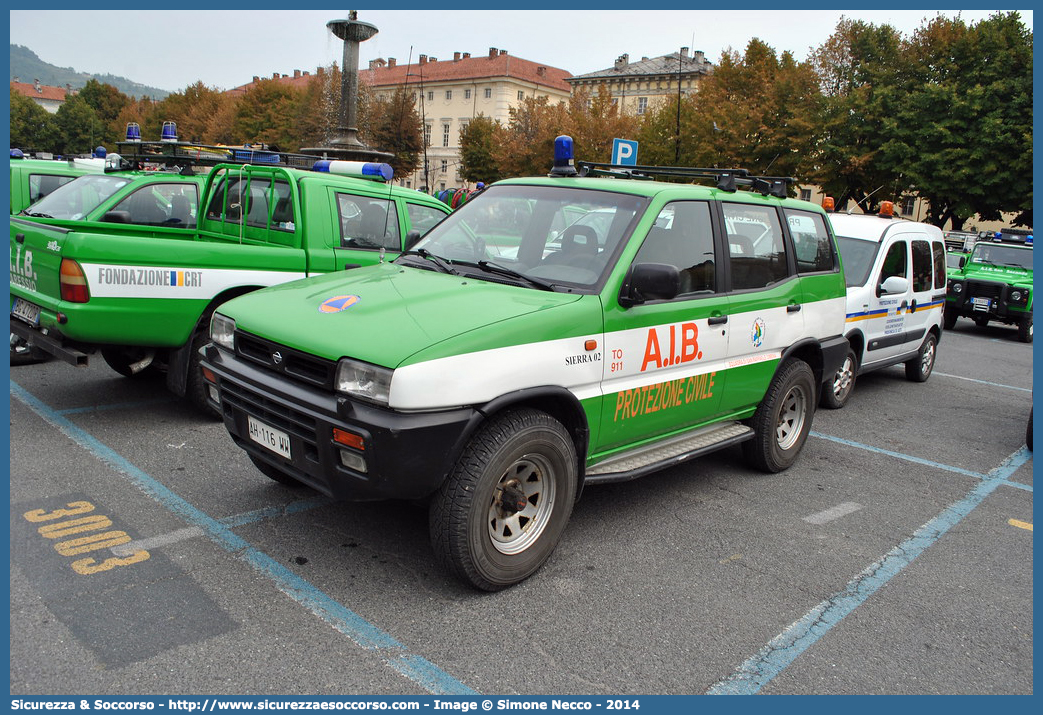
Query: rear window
x,y
77,198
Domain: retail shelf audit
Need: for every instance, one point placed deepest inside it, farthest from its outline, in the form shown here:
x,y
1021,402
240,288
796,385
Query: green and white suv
x,y
520,353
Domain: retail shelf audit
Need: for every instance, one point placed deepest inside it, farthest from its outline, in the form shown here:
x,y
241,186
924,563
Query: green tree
x,y
527,146
79,129
265,113
478,141
594,121
395,128
32,126
961,132
857,69
107,103
194,109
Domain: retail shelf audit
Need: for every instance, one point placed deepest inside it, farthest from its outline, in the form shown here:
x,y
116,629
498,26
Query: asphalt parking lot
x,y
894,557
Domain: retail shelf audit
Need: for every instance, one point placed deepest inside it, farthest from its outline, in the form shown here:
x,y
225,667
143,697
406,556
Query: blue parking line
x,y
416,668
114,406
782,650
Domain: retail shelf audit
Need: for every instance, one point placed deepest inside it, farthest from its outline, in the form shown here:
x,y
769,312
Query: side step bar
x,y
639,462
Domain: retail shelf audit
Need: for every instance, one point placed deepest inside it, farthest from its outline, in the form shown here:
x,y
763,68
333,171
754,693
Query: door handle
x,y
717,319
19,238
793,308
912,309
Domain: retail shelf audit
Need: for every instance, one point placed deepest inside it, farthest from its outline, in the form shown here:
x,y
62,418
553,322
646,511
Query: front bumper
x,y
987,298
406,455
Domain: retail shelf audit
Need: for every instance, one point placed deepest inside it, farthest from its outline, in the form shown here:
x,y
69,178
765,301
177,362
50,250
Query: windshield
x,y
547,235
996,254
952,260
857,256
77,198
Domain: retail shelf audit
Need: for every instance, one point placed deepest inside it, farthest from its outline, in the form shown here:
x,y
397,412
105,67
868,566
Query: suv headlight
x,y
956,288
364,381
222,331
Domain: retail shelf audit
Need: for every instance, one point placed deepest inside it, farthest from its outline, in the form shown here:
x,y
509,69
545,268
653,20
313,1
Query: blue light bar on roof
x,y
17,154
358,169
133,132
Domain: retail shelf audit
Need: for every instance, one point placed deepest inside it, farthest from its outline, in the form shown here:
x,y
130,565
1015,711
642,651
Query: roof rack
x,y
185,155
725,179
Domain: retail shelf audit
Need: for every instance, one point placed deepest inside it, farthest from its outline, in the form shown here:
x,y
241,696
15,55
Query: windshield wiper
x,y
35,214
490,267
437,260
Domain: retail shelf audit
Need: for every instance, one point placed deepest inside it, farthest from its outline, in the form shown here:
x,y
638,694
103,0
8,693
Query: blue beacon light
x,y
358,169
564,164
169,133
133,132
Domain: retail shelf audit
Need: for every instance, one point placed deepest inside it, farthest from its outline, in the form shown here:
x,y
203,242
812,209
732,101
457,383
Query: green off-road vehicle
x,y
550,334
994,284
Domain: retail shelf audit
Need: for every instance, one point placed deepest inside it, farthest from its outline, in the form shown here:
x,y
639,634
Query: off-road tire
x,y
836,392
920,367
949,317
1025,329
527,456
783,419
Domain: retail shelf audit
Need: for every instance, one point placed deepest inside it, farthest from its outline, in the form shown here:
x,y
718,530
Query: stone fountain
x,y
345,144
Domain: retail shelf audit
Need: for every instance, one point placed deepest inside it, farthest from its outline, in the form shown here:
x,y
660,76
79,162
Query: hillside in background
x,y
26,66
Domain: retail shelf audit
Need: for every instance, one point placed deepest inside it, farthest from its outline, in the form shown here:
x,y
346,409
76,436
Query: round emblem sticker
x,y
757,333
337,304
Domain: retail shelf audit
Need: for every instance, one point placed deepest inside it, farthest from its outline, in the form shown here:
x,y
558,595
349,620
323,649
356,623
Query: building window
x,y
908,205
467,94
805,194
445,135
427,135
445,166
521,95
448,95
430,96
488,92
642,105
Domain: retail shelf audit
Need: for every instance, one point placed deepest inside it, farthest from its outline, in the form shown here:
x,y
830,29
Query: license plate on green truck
x,y
24,310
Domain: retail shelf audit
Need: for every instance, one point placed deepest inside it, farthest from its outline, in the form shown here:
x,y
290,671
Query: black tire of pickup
x,y
949,317
920,367
836,392
783,419
501,511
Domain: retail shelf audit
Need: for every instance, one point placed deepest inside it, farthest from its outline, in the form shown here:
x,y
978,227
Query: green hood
x,y
1005,274
386,313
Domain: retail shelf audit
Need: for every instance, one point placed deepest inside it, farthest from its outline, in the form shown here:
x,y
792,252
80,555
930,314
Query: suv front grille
x,y
286,361
984,289
282,417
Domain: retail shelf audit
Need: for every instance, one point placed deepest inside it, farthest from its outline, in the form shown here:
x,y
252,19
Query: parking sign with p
x,y
624,151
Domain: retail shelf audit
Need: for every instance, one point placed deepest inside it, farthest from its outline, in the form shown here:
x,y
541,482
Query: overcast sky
x,y
226,48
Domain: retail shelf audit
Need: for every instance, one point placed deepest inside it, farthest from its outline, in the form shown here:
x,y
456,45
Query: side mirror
x,y
963,261
412,237
116,217
650,281
894,284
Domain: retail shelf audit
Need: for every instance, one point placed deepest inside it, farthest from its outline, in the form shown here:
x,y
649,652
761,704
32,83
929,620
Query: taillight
x,y
73,282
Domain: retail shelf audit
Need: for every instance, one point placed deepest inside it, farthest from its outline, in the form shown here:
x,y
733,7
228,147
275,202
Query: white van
x,y
895,274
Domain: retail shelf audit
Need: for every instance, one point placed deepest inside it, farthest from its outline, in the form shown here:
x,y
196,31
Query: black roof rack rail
x,y
185,155
725,179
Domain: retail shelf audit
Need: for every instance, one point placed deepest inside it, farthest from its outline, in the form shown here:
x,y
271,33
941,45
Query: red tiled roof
x,y
455,70
28,89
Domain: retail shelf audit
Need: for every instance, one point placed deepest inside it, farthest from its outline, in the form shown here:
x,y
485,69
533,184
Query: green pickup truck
x,y
33,179
139,276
